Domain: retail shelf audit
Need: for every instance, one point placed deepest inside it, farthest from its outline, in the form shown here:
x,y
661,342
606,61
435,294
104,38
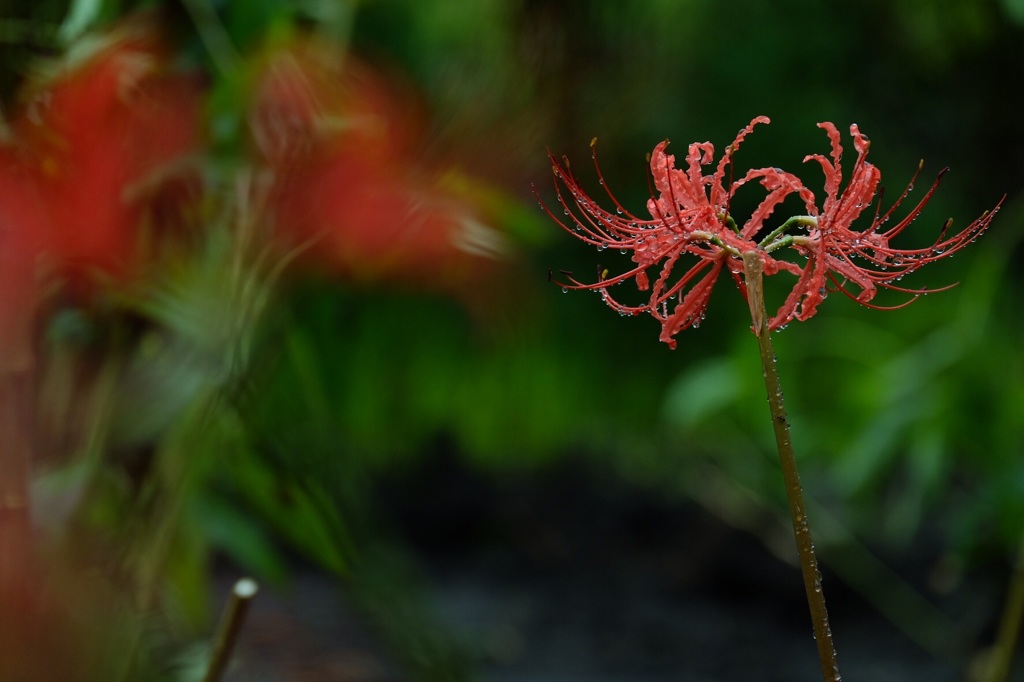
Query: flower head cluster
x,y
689,215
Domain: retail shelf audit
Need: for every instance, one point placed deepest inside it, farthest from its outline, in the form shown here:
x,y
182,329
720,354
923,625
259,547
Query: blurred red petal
x,y
341,139
97,134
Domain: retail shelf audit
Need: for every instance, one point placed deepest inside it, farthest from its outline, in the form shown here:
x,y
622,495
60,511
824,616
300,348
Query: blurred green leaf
x,y
81,15
242,537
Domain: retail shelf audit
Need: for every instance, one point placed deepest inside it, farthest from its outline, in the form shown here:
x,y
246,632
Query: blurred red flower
x,y
91,147
342,142
690,215
99,135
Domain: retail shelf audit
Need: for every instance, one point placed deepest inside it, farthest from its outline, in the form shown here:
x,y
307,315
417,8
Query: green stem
x,y
1009,627
797,220
753,267
157,530
213,35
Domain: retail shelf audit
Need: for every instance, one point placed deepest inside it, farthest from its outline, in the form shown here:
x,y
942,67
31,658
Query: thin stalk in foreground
x,y
15,463
753,275
230,625
1009,626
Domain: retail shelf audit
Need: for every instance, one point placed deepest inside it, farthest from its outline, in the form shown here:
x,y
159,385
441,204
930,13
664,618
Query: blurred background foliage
x,y
242,403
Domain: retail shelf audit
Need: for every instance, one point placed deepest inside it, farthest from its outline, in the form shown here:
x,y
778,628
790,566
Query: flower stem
x,y
1009,627
230,625
15,457
797,220
752,267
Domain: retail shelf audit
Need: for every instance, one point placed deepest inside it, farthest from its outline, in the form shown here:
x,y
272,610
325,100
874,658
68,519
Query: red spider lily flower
x,y
340,140
101,136
863,258
690,215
